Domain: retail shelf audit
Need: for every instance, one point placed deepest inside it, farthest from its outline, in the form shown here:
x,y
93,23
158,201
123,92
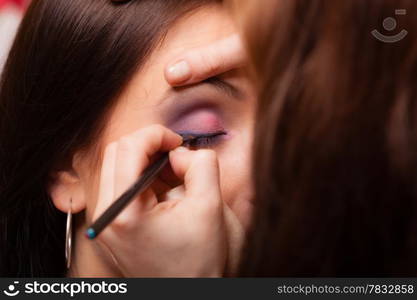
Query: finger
x,y
133,155
205,62
156,138
128,168
200,172
106,185
173,194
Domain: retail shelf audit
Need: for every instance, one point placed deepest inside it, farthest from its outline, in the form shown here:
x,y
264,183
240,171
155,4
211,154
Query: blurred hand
x,y
183,236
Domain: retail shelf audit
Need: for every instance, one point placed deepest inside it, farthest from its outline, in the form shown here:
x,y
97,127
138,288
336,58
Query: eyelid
x,y
211,88
225,87
197,119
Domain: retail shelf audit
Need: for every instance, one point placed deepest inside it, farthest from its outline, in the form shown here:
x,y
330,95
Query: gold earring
x,y
68,236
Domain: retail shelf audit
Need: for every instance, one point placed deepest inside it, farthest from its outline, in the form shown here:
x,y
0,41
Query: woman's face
x,y
223,105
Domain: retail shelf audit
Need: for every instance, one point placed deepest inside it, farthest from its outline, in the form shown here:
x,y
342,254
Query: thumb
x,y
200,172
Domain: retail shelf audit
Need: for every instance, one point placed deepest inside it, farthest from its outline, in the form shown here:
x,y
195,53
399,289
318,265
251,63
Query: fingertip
x,y
179,153
202,176
177,139
158,138
181,150
205,160
178,72
206,157
169,138
180,159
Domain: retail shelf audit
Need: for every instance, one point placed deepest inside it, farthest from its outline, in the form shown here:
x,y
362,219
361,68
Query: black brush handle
x,y
144,181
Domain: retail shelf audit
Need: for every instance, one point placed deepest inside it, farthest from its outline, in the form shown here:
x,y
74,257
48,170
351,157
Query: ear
x,y
66,186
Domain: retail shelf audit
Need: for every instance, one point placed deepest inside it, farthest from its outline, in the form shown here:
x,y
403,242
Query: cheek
x,y
235,178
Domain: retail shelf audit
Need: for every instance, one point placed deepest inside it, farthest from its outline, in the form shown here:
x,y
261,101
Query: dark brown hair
x,y
69,62
336,140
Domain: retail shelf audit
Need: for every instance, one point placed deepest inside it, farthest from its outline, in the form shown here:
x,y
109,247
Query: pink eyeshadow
x,y
201,120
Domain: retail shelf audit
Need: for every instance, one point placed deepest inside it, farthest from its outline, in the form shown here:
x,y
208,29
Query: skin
x,y
201,63
225,105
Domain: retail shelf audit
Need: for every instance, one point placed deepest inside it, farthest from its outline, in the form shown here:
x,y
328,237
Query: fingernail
x,y
181,149
179,71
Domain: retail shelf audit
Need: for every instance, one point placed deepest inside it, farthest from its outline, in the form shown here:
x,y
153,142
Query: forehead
x,y
200,27
136,107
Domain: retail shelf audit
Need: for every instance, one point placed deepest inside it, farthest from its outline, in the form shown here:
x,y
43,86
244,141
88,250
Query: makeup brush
x,y
143,182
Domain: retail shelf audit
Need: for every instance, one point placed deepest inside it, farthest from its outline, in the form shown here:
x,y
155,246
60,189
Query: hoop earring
x,y
68,236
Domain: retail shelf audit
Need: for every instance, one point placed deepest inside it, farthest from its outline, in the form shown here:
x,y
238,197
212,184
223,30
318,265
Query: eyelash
x,y
204,140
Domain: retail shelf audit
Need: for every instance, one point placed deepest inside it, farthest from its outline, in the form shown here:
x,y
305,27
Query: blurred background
x,y
11,12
